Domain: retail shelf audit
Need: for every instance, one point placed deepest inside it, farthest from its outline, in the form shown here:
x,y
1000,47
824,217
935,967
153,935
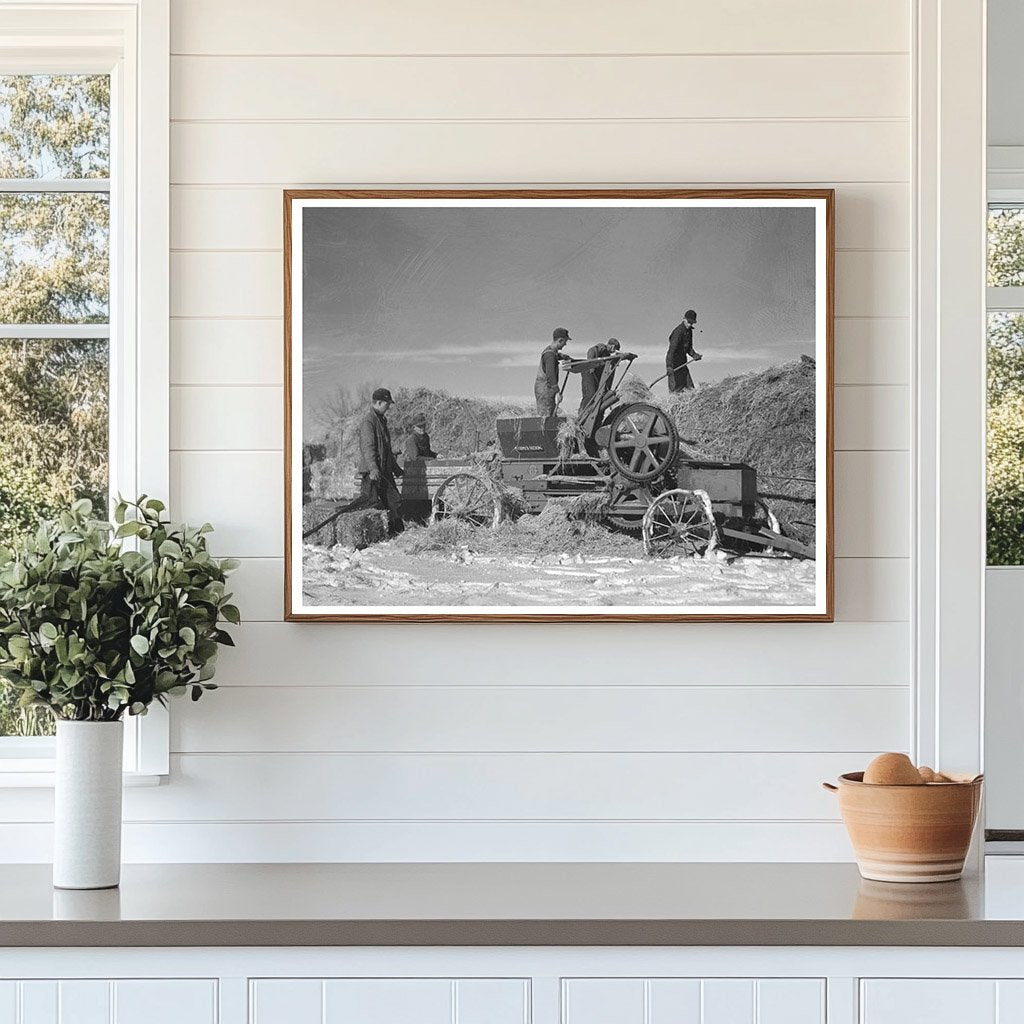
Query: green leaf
x,y
140,644
231,613
49,631
170,549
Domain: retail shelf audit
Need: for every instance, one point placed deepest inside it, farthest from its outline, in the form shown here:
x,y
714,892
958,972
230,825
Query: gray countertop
x,y
507,904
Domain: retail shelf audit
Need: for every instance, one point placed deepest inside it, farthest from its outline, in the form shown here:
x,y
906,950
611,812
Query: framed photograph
x,y
558,405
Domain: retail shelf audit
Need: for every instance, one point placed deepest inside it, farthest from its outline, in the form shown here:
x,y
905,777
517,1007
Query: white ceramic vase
x,y
87,806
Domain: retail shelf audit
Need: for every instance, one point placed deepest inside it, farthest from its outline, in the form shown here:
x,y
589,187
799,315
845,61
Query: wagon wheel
x,y
627,506
680,522
467,499
642,442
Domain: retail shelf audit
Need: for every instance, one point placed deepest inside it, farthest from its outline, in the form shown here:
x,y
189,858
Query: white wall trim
x,y
950,315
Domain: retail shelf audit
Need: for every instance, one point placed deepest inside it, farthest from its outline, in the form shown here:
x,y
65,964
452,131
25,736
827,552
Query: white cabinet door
x,y
693,1001
100,1001
389,1001
942,1001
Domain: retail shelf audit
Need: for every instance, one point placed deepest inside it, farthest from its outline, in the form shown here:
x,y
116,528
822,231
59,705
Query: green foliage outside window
x,y
54,269
1005,482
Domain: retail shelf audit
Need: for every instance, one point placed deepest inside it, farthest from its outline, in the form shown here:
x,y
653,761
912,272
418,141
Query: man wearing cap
x,y
680,350
545,387
417,444
589,379
377,464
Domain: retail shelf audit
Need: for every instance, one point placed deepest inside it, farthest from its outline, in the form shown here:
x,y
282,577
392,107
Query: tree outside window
x,y
54,307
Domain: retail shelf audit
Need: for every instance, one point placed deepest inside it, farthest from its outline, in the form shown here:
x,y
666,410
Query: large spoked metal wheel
x,y
466,499
627,506
642,442
680,522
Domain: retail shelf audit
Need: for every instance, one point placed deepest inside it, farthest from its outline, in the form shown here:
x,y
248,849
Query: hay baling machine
x,y
625,456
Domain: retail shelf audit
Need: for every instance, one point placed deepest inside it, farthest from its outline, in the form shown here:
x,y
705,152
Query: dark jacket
x,y
375,450
417,446
680,346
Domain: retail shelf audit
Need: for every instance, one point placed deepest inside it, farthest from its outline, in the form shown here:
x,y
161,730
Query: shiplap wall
x,y
598,742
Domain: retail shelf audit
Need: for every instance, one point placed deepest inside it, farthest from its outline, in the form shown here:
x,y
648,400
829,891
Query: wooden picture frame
x,y
747,516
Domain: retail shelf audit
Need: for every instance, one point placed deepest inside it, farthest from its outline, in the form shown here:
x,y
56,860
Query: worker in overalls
x,y
545,388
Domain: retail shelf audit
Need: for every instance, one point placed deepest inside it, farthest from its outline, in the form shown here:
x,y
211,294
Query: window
x,y
84,124
54,309
1005,477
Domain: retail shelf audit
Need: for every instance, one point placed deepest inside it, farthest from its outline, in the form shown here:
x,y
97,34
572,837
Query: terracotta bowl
x,y
909,833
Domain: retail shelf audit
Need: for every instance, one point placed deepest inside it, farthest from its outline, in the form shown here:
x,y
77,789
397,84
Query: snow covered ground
x,y
385,574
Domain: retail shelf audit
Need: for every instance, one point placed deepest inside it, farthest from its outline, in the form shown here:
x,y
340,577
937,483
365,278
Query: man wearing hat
x,y
589,379
545,387
680,350
377,464
417,444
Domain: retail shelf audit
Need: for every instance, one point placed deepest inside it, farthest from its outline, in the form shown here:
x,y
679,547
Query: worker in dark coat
x,y
680,351
378,466
589,379
545,387
417,443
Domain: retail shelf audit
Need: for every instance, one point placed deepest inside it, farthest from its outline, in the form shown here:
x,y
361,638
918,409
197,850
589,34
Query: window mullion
x,y
54,185
63,332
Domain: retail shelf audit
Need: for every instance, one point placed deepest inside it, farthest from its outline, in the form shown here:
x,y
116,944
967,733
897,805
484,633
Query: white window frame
x,y
130,41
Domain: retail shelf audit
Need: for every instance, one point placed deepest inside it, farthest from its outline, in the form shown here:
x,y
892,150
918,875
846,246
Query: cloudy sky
x,y
465,299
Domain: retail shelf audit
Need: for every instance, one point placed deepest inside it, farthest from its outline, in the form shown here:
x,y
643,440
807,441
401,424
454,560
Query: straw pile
x,y
766,419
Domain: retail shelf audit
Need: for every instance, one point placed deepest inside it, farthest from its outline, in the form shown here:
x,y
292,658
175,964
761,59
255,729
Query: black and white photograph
x,y
525,405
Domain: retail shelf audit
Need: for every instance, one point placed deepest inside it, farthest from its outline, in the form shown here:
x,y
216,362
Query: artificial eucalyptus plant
x,y
92,630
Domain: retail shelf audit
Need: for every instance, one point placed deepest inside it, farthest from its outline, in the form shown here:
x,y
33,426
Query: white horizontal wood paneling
x,y
212,418
868,216
537,151
872,351
227,352
748,654
232,284
466,787
462,26
872,418
867,589
538,88
241,493
329,93
872,504
872,498
157,842
550,718
237,418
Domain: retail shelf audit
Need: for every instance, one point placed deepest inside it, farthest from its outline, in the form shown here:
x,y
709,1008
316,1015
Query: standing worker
x,y
680,351
545,387
417,444
592,377
377,464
